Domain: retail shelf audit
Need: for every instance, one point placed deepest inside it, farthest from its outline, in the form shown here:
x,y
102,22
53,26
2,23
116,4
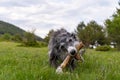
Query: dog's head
x,y
66,42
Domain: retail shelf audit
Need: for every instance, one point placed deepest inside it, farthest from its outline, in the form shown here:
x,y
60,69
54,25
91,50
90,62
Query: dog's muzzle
x,y
72,50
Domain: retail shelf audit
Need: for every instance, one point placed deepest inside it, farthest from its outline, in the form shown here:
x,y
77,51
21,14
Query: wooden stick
x,y
63,65
78,47
67,59
65,62
77,56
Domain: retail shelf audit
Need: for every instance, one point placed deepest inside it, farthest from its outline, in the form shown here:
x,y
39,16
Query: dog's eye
x,y
70,40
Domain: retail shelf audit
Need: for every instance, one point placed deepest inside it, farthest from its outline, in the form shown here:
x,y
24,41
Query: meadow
x,y
30,63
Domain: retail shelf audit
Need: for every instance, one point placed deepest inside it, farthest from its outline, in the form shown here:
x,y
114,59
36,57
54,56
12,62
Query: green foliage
x,y
91,33
6,37
103,48
113,28
17,38
27,63
29,39
42,44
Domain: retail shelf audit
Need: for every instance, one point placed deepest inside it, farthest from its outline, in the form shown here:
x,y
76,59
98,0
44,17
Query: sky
x,y
44,15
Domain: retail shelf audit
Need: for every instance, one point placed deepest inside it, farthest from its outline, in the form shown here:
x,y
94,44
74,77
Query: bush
x,y
5,37
29,39
42,44
17,38
103,48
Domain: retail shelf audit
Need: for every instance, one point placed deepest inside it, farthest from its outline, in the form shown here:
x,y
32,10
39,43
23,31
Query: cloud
x,y
44,15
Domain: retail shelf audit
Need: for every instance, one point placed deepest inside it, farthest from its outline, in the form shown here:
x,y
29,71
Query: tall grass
x,y
22,63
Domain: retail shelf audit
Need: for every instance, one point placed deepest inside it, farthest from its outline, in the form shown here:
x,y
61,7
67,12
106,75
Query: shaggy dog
x,y
61,43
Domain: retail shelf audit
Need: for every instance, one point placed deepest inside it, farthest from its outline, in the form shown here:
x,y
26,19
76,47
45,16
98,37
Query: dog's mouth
x,y
72,50
78,46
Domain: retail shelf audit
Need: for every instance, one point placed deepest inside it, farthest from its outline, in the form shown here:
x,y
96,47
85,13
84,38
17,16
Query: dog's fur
x,y
59,44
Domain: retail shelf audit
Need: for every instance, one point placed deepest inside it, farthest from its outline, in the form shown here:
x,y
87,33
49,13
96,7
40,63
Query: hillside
x,y
12,29
9,28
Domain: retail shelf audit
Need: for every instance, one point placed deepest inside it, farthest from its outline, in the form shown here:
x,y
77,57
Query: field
x,y
22,63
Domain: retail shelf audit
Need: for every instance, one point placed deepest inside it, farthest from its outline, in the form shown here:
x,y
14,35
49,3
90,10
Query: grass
x,y
22,63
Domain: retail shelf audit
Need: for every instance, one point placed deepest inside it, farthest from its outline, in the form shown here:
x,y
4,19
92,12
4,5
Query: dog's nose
x,y
72,52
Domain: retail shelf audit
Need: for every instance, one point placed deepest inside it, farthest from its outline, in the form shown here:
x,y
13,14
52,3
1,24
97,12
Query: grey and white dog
x,y
61,43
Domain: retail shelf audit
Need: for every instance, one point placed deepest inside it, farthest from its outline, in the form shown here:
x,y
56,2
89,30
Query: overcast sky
x,y
44,15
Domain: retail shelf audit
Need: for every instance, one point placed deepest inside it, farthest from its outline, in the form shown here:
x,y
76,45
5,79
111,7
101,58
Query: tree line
x,y
92,33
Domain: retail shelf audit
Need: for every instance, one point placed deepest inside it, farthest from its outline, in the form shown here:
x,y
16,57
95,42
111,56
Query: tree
x,y
29,39
17,38
113,28
91,33
80,30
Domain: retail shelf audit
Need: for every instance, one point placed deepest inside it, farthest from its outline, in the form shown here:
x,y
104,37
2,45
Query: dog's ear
x,y
75,37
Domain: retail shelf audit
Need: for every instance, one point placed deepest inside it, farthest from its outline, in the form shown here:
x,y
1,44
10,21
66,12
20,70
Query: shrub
x,y
42,44
29,39
103,48
17,38
6,37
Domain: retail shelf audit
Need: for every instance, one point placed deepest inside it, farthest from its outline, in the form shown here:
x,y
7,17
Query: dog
x,y
60,44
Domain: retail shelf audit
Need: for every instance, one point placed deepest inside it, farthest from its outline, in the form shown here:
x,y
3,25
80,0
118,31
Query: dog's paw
x,y
59,70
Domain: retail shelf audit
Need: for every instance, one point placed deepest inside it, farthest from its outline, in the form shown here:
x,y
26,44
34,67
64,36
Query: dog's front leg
x,y
53,59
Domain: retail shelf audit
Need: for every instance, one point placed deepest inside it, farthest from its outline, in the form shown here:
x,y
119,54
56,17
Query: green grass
x,y
22,63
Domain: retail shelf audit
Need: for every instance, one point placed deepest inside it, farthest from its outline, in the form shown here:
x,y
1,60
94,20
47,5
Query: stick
x,y
63,65
77,56
65,62
78,47
67,59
